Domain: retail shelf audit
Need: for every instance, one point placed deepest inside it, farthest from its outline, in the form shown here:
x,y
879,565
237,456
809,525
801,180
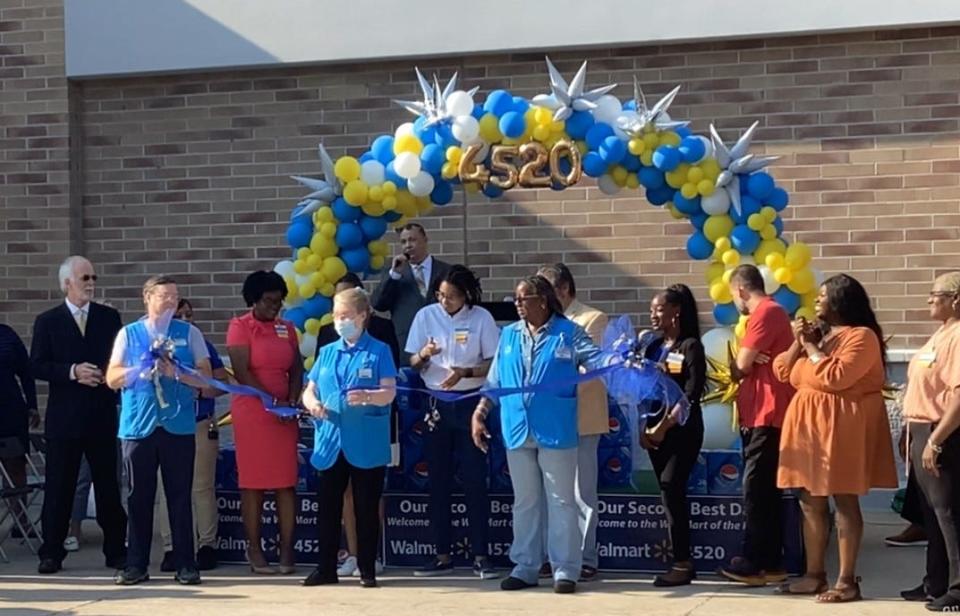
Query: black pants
x,y
173,454
63,467
763,535
672,462
941,505
912,510
367,488
452,436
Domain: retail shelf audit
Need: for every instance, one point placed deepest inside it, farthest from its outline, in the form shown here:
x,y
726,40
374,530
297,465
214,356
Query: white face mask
x,y
347,329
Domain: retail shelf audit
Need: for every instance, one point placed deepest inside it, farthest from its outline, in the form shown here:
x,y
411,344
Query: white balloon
x,y
465,128
708,150
627,116
308,345
459,103
372,172
607,186
770,284
607,110
404,129
421,184
621,134
747,260
284,268
718,432
716,204
407,165
301,279
715,343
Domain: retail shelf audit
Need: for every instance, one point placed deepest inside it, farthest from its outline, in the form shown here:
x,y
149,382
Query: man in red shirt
x,y
761,402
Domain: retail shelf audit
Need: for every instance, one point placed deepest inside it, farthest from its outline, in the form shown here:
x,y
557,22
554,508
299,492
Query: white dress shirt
x,y
75,312
466,339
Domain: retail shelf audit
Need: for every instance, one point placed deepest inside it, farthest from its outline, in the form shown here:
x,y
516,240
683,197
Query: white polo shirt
x,y
466,340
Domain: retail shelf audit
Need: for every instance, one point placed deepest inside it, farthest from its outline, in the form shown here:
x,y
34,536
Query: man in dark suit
x,y
411,283
71,348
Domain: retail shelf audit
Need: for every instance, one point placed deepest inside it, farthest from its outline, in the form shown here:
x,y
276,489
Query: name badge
x,y
180,342
564,352
365,373
926,359
281,331
675,363
461,335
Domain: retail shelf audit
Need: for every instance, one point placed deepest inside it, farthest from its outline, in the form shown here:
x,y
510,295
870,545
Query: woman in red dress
x,y
264,354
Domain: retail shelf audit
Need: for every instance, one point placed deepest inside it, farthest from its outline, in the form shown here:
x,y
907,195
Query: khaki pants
x,y
205,514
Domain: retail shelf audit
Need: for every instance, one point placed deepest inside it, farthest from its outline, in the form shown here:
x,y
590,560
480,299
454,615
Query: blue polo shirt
x,y
362,433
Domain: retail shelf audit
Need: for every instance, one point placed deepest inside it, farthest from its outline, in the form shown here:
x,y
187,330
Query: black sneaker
x,y
188,576
130,576
564,587
368,582
588,573
946,603
916,594
206,558
48,566
484,570
546,571
742,570
512,583
167,565
318,577
434,568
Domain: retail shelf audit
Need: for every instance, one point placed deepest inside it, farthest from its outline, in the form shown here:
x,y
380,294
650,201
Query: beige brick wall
x,y
188,174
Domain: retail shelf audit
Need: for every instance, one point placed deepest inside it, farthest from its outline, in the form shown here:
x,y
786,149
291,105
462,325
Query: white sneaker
x,y
348,567
71,544
378,567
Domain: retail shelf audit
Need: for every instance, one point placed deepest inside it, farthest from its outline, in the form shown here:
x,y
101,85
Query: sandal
x,y
796,588
846,590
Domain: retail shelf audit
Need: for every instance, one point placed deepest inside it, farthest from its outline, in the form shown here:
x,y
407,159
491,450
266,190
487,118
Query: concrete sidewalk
x,y
85,587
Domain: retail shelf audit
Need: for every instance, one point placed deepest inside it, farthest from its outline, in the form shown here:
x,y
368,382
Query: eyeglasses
x,y
524,298
88,277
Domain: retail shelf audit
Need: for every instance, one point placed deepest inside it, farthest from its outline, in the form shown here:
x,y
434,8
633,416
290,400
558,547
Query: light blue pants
x,y
587,499
545,479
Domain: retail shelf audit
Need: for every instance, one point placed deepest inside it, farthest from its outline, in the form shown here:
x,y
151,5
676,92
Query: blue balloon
x,y
498,102
344,211
744,239
594,165
666,158
683,131
392,216
692,149
612,150
778,225
651,177
365,157
432,158
565,166
512,124
357,260
477,111
660,195
444,136
698,220
787,298
631,163
297,316
426,134
748,207
390,175
373,227
726,314
442,193
520,105
760,185
349,235
630,105
778,199
317,306
699,247
687,206
597,133
382,148
300,233
579,123
492,191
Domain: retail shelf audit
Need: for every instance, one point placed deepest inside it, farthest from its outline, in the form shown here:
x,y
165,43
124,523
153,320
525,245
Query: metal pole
x,y
466,252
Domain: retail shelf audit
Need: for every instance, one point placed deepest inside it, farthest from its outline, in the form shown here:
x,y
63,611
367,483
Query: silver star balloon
x,y
566,98
323,191
735,160
433,107
656,115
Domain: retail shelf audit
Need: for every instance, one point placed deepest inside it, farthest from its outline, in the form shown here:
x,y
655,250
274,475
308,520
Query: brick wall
x,y
188,174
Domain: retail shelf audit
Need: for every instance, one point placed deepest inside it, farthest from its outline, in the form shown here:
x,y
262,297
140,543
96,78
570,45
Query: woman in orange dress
x,y
264,354
836,437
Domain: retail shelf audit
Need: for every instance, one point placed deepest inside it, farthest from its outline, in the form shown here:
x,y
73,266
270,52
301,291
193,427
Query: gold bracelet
x,y
938,449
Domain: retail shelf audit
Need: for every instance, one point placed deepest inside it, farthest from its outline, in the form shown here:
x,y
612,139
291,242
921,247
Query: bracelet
x,y
367,399
938,449
815,358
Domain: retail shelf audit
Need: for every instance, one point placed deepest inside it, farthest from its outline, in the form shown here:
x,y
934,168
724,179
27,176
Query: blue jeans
x,y
545,479
588,501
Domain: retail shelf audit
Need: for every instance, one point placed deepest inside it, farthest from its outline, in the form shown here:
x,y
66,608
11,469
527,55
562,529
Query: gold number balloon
x,y
528,173
471,171
500,162
576,169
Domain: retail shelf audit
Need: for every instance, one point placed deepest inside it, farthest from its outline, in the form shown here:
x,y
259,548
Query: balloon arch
x,y
505,142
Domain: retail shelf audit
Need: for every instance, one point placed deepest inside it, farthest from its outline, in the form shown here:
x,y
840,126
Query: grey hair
x,y
356,298
66,270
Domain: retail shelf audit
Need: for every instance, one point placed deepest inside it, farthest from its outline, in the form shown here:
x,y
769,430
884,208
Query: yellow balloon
x,y
768,232
805,313
809,300
424,205
740,330
706,187
689,191
633,181
407,143
389,188
731,258
669,138
652,141
490,128
355,193
694,175
541,133
714,271
798,256
756,222
647,158
454,154
376,194
542,115
783,275
308,363
720,292
314,260
312,326
636,146
325,246
711,169
677,214
768,213
317,279
723,244
774,261
333,268
619,174
377,261
802,281
303,253
347,169
326,319
307,290
372,208
328,289
389,203
583,147
674,178
727,275
291,288
768,247
300,266
717,226
328,230
377,247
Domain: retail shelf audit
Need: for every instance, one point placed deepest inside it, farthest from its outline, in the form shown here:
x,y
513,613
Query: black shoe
x,y
546,572
743,571
675,577
916,594
588,573
512,583
166,565
368,582
130,576
49,565
564,587
319,577
206,558
434,568
946,603
115,562
188,576
484,570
